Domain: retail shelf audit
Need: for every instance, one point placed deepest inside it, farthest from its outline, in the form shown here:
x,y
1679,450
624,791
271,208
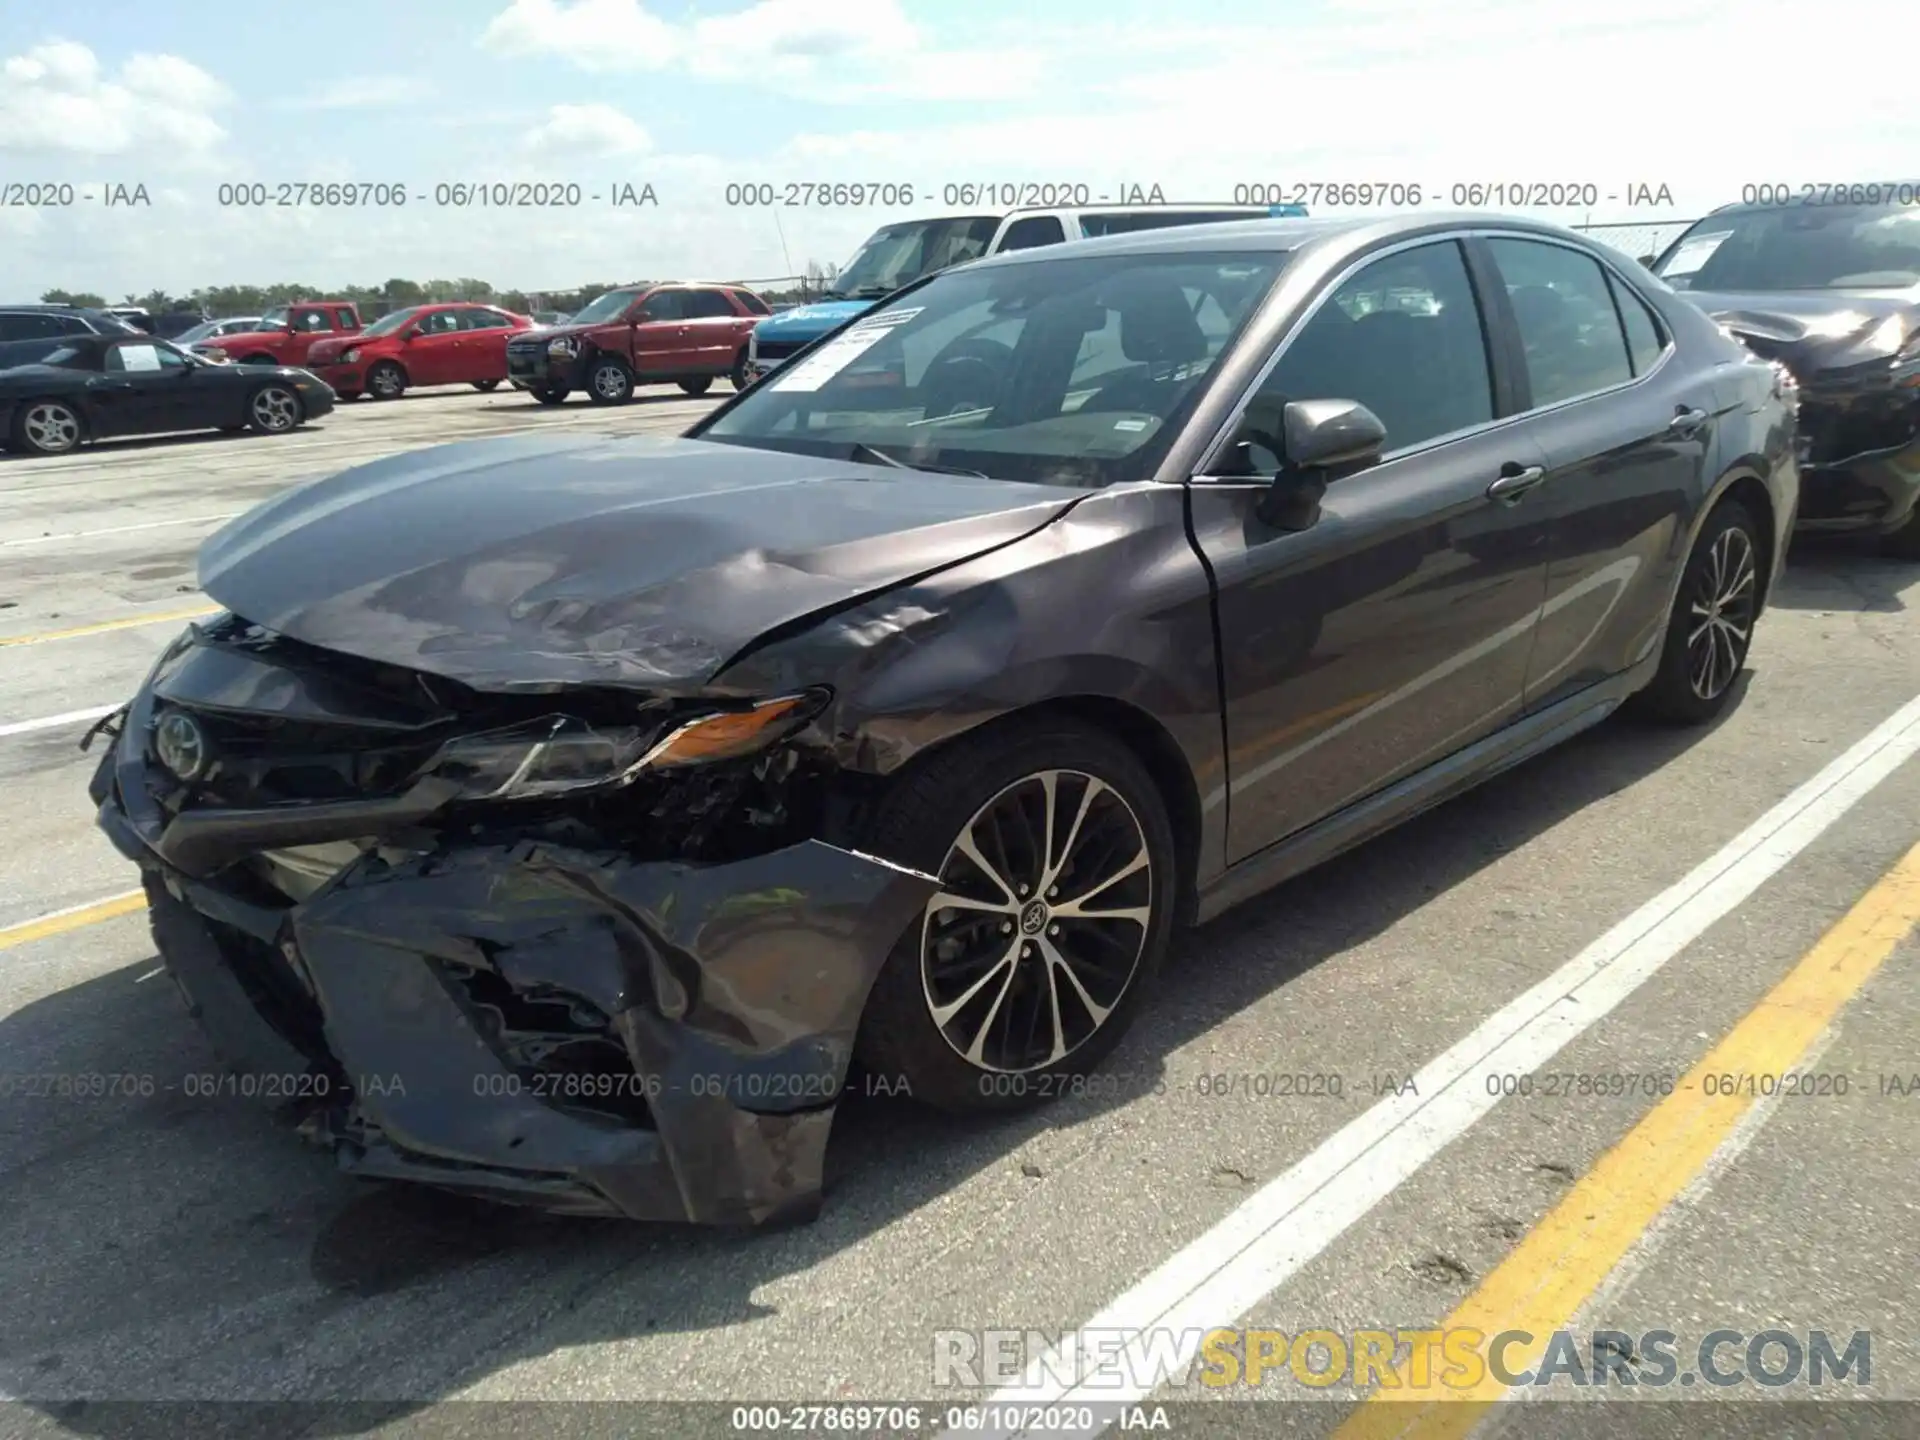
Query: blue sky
x,y
186,95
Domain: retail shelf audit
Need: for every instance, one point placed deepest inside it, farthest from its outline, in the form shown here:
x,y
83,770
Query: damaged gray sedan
x,y
561,819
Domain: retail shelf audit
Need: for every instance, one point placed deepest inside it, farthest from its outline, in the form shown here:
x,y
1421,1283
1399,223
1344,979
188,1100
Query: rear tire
x,y
609,381
1052,991
386,381
1904,543
1710,630
346,395
698,386
47,427
737,377
483,386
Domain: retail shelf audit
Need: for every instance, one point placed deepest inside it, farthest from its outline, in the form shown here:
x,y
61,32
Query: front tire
x,y
550,394
737,377
1711,628
386,381
274,410
483,386
609,381
1032,961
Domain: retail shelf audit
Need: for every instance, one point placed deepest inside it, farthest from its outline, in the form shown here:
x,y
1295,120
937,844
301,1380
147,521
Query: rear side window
x,y
706,305
1564,311
1032,232
1644,343
751,303
486,320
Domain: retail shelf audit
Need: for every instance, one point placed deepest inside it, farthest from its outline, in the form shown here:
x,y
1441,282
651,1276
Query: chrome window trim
x,y
1223,435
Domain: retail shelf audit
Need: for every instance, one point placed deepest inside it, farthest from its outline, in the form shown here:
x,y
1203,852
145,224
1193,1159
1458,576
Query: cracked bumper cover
x,y
735,988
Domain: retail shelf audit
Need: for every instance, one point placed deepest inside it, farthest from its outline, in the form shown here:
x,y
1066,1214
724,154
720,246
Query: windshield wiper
x,y
868,454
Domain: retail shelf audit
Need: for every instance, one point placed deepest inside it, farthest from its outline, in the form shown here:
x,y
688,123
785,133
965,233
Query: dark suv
x,y
40,322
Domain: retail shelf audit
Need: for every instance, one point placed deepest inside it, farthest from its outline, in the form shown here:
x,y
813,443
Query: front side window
x,y
1403,337
440,322
135,359
1075,372
1033,232
311,320
388,324
1565,314
663,305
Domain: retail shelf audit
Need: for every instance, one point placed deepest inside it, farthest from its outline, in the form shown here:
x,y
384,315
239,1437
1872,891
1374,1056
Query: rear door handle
x,y
1514,482
1685,422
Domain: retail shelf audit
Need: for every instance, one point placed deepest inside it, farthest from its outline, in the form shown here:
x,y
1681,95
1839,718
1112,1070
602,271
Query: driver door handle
x,y
1514,482
1685,422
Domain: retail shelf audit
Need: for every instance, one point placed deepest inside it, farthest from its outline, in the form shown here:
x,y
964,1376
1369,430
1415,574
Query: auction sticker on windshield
x,y
1696,252
837,354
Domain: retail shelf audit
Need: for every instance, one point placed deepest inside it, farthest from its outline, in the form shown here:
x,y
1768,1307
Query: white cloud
x,y
359,92
839,51
588,132
56,99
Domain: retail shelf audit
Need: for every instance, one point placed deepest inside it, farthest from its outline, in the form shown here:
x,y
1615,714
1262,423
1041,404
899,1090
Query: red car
x,y
453,344
687,333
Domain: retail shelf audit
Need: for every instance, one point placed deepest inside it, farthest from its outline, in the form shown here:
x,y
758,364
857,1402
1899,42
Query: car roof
x,y
1282,235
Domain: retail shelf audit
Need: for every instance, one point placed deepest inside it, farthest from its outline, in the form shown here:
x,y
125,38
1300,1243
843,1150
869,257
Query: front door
x,y
146,388
435,354
659,336
1396,628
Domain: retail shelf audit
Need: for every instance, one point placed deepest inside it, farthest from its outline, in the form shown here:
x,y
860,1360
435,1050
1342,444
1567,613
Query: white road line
x,y
54,722
118,530
1230,1269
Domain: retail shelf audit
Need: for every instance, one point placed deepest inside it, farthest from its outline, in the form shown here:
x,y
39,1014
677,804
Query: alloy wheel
x,y
1045,906
275,410
51,428
1721,612
610,382
386,383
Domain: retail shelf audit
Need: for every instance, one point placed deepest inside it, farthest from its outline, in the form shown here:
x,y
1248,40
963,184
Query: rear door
x,y
436,353
660,347
1395,629
484,335
1627,432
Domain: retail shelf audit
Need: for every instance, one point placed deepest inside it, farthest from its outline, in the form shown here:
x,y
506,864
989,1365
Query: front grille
x,y
777,349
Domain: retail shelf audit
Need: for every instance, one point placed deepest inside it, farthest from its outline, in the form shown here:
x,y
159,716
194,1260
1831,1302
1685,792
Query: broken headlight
x,y
559,754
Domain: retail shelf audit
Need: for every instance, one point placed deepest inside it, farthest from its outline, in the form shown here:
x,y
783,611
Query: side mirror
x,y
1647,260
1318,442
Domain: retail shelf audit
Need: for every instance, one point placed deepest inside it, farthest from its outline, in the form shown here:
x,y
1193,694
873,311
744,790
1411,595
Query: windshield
x,y
898,255
1838,247
1072,372
610,306
197,333
275,318
387,324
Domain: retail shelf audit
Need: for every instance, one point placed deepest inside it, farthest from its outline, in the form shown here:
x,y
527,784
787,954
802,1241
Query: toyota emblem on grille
x,y
181,744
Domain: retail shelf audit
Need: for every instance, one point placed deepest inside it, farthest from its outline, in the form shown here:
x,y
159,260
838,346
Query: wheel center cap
x,y
1034,918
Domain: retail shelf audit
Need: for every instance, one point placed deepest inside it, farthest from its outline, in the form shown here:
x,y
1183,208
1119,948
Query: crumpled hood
x,y
525,563
1808,330
809,322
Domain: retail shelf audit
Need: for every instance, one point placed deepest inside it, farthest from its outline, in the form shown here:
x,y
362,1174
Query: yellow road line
x,y
1564,1260
61,921
102,626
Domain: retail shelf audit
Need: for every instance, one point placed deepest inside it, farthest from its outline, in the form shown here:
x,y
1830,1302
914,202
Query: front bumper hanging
x,y
403,1000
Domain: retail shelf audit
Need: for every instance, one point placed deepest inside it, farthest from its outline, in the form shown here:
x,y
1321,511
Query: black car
x,y
1831,291
56,394
557,818
42,322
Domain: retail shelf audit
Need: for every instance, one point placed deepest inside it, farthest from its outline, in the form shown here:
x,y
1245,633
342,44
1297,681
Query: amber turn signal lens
x,y
727,735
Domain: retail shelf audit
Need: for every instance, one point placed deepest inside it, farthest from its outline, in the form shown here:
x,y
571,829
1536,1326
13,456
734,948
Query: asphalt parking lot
x,y
1622,907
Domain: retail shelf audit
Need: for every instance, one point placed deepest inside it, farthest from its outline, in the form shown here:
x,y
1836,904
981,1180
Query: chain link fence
x,y
1636,241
